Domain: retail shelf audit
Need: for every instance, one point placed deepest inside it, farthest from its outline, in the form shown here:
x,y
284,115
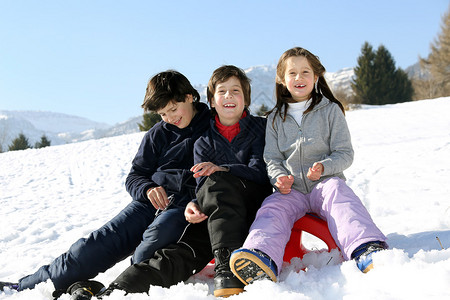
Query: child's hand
x,y
205,169
158,197
284,184
315,172
193,214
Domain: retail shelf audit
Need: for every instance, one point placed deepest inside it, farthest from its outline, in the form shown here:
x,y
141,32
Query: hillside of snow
x,y
63,129
52,196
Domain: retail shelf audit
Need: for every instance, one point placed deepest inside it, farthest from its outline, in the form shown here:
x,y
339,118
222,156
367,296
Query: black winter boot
x,y
84,290
225,283
108,291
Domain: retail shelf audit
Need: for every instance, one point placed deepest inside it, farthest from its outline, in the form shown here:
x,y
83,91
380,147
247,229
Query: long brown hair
x,y
283,96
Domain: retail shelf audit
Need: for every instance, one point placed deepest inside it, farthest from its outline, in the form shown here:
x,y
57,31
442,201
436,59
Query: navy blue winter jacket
x,y
165,157
243,156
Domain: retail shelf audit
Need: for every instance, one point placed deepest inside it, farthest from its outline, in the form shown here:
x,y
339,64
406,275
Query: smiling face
x,y
299,78
228,101
179,114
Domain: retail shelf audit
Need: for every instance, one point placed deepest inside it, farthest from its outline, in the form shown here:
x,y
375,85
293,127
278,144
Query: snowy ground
x,y
50,197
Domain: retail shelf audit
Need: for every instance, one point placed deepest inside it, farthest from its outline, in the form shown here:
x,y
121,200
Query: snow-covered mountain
x,y
59,128
62,128
417,72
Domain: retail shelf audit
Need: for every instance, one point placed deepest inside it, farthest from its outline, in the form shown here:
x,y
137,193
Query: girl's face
x,y
179,114
229,101
299,78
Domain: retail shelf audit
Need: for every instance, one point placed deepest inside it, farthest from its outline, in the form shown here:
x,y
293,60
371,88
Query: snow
x,y
52,196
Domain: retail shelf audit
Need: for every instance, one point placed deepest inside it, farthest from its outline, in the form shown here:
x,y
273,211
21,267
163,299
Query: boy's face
x,y
179,114
229,101
299,78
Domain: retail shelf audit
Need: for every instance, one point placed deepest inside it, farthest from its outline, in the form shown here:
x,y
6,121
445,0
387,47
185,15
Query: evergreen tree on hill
x,y
363,85
19,143
403,89
43,143
148,120
263,109
377,81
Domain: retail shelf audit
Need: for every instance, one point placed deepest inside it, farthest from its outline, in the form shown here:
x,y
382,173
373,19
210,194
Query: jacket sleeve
x,y
272,155
143,167
201,155
341,156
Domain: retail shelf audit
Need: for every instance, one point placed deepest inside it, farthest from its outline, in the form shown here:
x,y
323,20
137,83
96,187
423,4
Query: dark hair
x,y
166,87
283,96
222,74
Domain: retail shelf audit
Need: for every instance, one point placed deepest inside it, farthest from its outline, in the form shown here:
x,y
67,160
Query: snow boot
x,y
108,291
363,255
225,283
84,290
251,264
8,285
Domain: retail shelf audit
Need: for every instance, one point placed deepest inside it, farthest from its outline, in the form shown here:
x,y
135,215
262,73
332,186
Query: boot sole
x,y
248,268
368,268
224,293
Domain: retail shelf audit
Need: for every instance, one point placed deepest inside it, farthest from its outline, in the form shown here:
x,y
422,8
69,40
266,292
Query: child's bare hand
x,y
193,214
158,197
205,169
315,172
284,184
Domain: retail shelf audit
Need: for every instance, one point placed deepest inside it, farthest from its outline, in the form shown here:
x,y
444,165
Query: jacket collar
x,y
203,113
323,102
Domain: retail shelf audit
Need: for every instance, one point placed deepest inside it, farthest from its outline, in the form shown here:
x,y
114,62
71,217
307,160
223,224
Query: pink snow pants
x,y
348,220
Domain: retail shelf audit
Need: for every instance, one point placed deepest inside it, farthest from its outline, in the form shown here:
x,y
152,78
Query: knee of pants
x,y
166,229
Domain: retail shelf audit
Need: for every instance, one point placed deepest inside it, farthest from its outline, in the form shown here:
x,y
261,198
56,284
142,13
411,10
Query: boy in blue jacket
x,y
160,183
232,183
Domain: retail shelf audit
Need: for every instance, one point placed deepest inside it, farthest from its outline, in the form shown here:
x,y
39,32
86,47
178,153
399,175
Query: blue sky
x,y
93,58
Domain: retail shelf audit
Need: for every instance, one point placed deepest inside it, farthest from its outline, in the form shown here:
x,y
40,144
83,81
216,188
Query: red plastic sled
x,y
312,224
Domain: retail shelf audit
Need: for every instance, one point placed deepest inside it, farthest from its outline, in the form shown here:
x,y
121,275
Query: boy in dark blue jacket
x,y
230,171
160,183
232,183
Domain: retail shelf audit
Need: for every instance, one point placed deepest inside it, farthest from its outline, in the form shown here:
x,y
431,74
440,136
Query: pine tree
x,y
377,81
384,76
262,110
149,119
438,62
392,85
43,143
403,88
19,143
363,83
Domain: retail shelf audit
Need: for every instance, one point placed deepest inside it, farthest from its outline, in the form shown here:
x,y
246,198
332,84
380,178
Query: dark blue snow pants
x,y
134,230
